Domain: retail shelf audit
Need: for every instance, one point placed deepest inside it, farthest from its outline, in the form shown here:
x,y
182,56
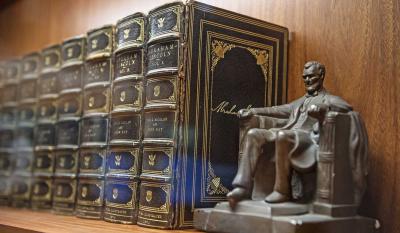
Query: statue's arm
x,y
280,111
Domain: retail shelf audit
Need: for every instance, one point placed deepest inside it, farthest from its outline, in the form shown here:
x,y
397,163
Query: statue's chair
x,y
330,187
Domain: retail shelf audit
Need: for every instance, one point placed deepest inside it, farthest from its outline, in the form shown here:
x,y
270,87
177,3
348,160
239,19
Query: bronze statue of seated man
x,y
296,143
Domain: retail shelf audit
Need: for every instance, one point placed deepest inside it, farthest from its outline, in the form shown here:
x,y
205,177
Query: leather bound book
x,y
45,134
5,158
26,114
123,155
69,110
204,64
94,123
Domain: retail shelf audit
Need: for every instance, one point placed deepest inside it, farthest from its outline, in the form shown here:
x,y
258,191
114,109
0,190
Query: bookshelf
x,y
28,221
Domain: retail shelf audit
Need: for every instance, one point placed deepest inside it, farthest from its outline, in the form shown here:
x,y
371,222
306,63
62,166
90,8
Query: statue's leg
x,y
254,140
284,143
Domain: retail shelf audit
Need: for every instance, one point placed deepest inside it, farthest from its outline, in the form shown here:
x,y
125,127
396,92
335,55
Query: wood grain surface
x,y
357,40
27,221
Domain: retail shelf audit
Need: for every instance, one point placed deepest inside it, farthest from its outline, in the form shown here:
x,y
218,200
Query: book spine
x,y
5,158
45,133
123,162
69,109
20,182
161,116
95,122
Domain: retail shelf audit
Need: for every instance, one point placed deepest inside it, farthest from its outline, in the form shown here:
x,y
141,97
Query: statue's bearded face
x,y
313,80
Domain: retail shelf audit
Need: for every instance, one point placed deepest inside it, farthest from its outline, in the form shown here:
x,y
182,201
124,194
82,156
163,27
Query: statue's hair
x,y
319,66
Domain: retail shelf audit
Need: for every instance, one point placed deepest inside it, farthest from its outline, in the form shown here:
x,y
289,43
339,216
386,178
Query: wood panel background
x,y
357,41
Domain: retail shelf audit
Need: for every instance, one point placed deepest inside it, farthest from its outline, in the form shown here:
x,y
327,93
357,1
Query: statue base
x,y
261,217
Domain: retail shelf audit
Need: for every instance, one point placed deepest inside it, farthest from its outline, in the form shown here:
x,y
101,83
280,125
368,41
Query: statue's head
x,y
313,76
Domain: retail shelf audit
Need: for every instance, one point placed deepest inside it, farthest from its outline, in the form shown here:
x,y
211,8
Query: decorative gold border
x,y
67,97
182,204
47,52
177,9
81,44
133,185
170,100
134,152
140,39
99,200
134,84
163,209
63,153
171,68
109,31
149,140
104,91
100,152
48,195
72,183
167,172
135,50
47,153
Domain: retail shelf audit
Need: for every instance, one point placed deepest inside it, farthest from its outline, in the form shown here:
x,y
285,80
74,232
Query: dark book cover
x,y
204,64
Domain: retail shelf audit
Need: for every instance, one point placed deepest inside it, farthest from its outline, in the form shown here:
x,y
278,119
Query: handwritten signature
x,y
224,108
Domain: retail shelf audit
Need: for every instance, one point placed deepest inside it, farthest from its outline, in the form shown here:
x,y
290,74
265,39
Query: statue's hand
x,y
318,111
245,113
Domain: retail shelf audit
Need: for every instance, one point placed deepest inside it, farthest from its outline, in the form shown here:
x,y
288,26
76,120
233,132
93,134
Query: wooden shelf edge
x,y
28,221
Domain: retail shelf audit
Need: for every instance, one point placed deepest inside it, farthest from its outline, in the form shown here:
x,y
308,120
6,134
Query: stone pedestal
x,y
259,216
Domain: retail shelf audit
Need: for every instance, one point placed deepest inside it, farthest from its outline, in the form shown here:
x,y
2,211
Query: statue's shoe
x,y
236,195
276,197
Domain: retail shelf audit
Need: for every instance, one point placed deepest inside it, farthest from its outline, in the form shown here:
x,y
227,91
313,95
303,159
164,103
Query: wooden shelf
x,y
28,221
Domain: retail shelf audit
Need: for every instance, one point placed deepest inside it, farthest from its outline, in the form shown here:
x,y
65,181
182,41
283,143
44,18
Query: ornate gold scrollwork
x,y
214,184
218,50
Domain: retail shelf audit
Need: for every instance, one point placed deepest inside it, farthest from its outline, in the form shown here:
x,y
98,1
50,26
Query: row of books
x,y
135,123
